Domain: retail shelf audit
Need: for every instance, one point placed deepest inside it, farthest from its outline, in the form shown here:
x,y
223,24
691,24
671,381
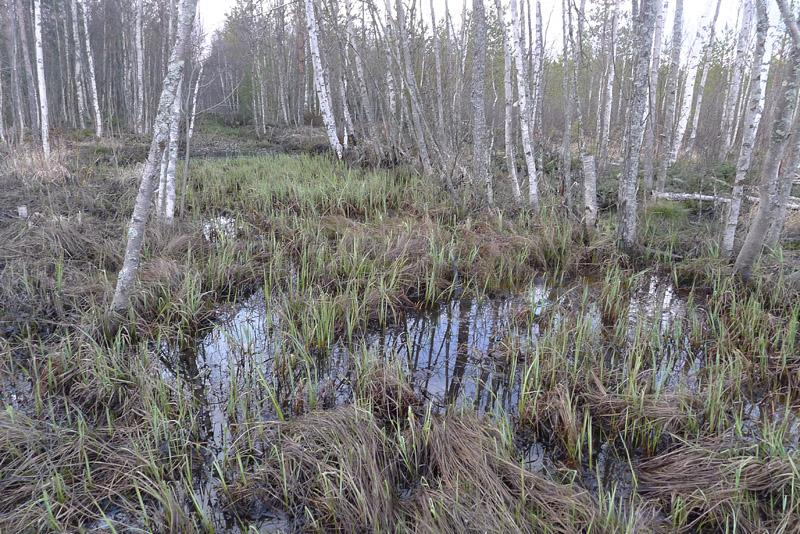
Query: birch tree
x,y
738,67
78,71
127,276
758,82
508,92
98,117
320,80
626,200
44,117
648,163
769,190
525,115
670,145
480,155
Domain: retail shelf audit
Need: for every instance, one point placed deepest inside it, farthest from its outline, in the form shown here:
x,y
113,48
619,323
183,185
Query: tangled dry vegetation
x,y
97,430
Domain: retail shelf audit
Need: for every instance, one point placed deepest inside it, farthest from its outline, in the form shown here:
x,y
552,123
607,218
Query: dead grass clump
x,y
347,470
330,470
718,484
29,164
469,481
384,391
59,478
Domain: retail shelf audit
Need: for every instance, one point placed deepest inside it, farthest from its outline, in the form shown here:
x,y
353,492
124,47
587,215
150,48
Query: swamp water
x,y
465,352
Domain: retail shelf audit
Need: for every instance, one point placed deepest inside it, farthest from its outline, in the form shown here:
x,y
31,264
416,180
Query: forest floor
x,y
316,346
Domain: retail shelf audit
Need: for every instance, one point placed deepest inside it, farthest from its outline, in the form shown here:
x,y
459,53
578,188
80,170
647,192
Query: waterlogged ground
x,y
315,347
467,353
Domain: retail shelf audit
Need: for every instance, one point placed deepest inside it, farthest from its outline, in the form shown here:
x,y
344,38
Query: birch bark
x,y
320,80
738,67
78,72
44,112
130,266
525,115
671,101
140,128
626,203
758,82
98,117
769,191
508,90
648,165
480,157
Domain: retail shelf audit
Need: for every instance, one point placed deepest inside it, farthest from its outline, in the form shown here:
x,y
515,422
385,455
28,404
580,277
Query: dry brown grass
x,y
717,484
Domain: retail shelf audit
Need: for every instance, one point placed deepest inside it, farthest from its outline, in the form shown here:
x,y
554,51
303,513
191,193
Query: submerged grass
x,y
104,434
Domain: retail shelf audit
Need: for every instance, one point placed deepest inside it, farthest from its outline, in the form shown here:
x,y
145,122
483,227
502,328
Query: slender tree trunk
x,y
480,156
650,131
43,109
738,67
570,96
670,144
16,93
33,96
758,82
130,266
78,72
140,126
508,90
437,51
608,94
769,191
627,203
525,115
189,134
702,84
320,80
98,117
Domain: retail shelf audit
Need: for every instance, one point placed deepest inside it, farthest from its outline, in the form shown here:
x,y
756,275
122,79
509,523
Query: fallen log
x,y
793,204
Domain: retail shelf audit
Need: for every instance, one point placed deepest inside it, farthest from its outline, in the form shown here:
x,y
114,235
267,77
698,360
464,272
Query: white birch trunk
x,y
769,191
608,92
141,210
480,156
98,118
508,89
44,113
702,84
140,128
648,163
525,115
189,134
320,80
669,150
168,214
739,65
589,192
696,57
758,83
627,203
78,72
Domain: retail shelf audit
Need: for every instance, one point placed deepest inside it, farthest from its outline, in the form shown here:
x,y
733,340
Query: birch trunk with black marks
x,y
670,148
44,112
770,188
78,71
758,82
701,88
525,115
140,126
144,199
98,117
191,116
649,156
480,155
626,202
508,91
604,128
735,87
320,80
